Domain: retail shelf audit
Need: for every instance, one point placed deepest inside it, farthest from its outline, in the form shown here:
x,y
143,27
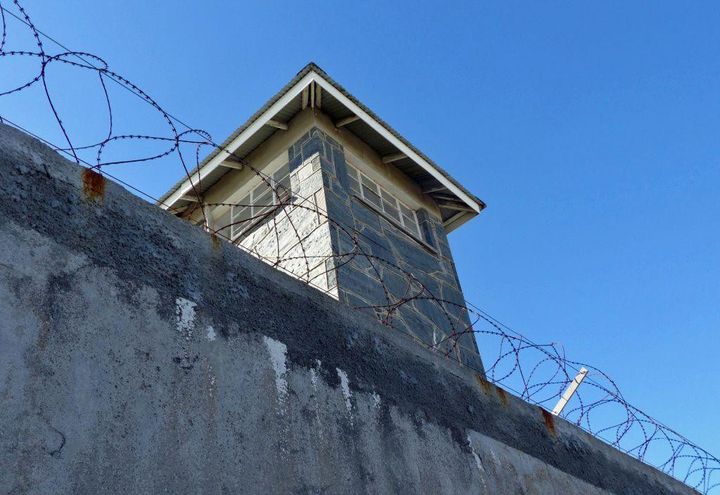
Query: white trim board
x,y
380,129
215,162
297,89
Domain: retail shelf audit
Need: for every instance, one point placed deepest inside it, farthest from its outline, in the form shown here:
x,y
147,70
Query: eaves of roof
x,y
312,67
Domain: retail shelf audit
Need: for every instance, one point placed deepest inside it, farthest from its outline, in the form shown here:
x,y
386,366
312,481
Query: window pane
x,y
282,172
409,219
371,195
282,188
240,219
221,223
391,210
370,191
411,224
369,184
387,196
241,214
354,186
353,176
352,172
263,188
246,201
263,203
241,205
427,234
407,212
390,204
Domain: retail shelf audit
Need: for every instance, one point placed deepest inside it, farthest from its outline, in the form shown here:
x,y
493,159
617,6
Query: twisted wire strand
x,y
537,373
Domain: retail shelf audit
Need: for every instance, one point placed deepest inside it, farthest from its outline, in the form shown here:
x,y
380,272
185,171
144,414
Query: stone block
x,y
338,159
363,216
396,282
312,146
295,161
377,244
357,282
417,325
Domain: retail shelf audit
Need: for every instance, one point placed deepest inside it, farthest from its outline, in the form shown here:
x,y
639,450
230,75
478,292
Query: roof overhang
x,y
313,87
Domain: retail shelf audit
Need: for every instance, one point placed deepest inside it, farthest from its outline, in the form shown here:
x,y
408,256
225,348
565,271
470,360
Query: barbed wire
x,y
280,234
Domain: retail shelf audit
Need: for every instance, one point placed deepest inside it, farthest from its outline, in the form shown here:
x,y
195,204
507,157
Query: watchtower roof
x,y
312,87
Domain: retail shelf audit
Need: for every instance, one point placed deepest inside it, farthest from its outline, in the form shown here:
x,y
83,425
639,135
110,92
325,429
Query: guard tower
x,y
320,187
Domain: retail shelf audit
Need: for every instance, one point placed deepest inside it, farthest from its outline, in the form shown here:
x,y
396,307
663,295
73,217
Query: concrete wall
x,y
139,355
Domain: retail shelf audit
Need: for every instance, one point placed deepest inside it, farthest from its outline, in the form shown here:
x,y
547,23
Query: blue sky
x,y
590,130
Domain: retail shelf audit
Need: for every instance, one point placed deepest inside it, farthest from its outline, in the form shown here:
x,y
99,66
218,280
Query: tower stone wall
x,y
379,265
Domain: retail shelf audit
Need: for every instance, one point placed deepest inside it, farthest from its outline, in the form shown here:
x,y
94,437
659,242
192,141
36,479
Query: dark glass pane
x,y
282,188
240,219
263,188
263,203
222,223
371,195
391,210
282,172
369,184
354,185
411,224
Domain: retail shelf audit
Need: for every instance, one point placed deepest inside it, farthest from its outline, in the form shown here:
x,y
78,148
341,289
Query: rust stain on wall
x,y
484,384
549,421
93,184
502,395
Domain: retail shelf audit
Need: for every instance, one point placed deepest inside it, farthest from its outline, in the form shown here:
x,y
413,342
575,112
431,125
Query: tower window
x,y
261,201
370,191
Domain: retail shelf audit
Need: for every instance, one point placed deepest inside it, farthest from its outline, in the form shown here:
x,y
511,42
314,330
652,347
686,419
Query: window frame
x,y
258,213
382,194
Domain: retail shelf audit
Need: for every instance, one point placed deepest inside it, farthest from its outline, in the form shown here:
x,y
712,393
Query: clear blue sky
x,y
590,130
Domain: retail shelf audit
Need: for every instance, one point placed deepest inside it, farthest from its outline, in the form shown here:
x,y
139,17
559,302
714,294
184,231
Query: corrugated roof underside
x,y
337,111
289,110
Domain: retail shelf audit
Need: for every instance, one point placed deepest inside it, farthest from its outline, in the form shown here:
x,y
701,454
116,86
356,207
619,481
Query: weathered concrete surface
x,y
138,355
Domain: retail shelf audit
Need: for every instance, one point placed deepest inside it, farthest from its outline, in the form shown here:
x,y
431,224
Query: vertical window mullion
x,y
397,205
362,192
386,202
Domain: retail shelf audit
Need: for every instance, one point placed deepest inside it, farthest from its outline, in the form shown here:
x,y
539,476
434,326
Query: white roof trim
x,y
311,76
235,144
394,141
457,220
